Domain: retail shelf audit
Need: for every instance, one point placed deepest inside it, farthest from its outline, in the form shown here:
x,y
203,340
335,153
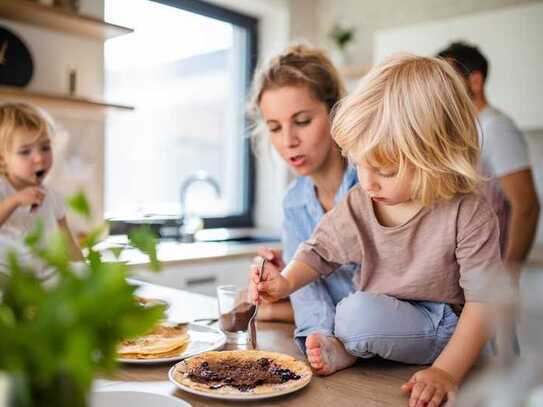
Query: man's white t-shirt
x,y
503,152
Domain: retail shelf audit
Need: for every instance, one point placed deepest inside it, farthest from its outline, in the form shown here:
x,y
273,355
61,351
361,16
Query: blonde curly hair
x,y
20,116
415,111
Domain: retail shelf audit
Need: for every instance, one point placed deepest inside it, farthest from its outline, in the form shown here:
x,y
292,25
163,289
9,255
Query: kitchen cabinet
x,y
201,276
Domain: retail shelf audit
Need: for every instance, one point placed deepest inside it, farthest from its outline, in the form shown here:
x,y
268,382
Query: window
x,y
186,69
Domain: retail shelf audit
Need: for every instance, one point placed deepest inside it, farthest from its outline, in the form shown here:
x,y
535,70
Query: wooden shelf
x,y
46,100
57,19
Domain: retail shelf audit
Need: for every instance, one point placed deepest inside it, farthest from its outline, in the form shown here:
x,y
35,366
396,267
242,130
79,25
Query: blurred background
x,y
142,109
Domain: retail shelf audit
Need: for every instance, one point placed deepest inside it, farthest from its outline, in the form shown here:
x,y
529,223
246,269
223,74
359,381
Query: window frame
x,y
246,217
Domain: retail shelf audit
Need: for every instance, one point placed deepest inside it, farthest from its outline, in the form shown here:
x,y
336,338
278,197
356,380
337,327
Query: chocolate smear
x,y
241,374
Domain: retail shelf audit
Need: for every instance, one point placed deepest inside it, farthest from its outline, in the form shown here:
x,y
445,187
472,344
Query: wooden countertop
x,y
368,383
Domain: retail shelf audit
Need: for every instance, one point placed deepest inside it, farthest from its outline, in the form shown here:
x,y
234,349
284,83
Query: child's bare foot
x,y
326,354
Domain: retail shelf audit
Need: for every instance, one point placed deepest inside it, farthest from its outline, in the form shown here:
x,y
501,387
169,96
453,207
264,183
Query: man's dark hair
x,y
467,58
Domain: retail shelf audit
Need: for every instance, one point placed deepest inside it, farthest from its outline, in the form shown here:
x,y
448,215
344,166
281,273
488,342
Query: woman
x,y
292,98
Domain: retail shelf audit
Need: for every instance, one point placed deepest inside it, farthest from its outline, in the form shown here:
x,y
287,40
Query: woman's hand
x,y
271,287
430,387
272,256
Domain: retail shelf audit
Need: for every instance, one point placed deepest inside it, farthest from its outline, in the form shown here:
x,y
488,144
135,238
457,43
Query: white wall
x,y
511,39
369,16
304,22
534,139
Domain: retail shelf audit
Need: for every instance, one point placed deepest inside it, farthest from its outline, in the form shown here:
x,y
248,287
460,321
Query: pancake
x,y
151,302
162,341
242,373
170,354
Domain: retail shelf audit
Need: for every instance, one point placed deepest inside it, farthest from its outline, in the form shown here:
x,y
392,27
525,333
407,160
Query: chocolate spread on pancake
x,y
238,319
242,374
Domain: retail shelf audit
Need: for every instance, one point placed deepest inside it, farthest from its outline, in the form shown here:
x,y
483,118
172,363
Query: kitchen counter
x,y
198,267
170,251
368,383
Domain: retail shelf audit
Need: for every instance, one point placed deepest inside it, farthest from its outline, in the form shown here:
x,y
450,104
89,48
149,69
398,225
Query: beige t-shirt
x,y
443,254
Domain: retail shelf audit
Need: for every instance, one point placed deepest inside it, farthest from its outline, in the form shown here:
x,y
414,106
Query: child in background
x,y
25,160
426,242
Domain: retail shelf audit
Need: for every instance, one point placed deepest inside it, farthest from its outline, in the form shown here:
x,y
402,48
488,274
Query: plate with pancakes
x,y
170,342
240,374
151,302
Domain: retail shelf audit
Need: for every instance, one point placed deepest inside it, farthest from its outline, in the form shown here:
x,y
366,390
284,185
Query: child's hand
x,y
272,256
30,196
272,286
430,387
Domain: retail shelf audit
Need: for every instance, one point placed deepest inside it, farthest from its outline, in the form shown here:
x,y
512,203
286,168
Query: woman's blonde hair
x,y
415,111
298,65
20,117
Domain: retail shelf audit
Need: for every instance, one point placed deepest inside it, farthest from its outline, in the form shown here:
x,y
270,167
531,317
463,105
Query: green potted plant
x,y
341,36
54,340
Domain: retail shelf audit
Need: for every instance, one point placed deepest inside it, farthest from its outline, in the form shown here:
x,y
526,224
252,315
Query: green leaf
x,y
117,251
94,236
79,204
56,252
33,238
145,240
65,333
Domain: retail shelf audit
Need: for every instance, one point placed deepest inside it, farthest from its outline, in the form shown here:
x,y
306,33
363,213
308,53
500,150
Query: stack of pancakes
x,y
163,341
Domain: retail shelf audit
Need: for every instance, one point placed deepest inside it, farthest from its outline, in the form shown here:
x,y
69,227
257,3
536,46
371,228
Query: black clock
x,y
16,65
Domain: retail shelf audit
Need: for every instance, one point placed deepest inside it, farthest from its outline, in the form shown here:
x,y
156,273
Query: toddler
x,y
25,160
424,240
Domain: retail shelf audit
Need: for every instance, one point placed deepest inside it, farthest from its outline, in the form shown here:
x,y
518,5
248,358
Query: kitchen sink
x,y
235,235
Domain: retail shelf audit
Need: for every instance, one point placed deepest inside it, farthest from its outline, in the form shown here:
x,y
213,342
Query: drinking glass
x,y
235,311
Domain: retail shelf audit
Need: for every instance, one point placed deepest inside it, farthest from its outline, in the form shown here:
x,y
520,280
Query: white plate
x,y
247,396
202,339
115,398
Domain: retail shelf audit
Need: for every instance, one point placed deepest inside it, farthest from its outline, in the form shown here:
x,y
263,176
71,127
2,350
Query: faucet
x,y
199,176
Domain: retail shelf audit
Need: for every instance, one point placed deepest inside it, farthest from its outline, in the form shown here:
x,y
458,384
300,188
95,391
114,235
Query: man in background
x,y
504,156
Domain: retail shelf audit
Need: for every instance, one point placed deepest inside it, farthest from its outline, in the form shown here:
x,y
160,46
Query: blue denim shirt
x,y
302,210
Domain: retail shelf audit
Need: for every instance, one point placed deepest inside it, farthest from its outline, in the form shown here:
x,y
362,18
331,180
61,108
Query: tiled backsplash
x,y
79,165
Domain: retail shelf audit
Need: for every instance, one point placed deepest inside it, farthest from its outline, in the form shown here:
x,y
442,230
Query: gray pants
x,y
405,331
371,324
315,304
